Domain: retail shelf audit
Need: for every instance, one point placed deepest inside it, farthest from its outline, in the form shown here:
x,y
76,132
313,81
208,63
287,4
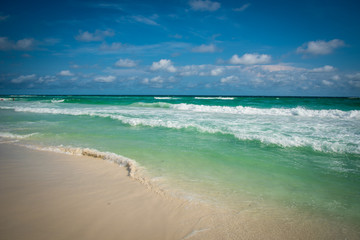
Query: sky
x,y
180,47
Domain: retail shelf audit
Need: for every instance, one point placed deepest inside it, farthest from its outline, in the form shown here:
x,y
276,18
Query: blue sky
x,y
196,47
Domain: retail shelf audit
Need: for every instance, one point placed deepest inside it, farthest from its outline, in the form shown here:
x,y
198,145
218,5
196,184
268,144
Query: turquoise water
x,y
298,153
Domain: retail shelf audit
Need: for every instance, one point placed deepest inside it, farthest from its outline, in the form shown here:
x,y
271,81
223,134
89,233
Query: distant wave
x,y
165,98
57,101
219,98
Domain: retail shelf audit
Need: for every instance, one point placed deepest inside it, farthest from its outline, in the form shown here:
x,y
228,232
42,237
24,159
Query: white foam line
x,y
298,111
15,136
219,98
320,144
135,171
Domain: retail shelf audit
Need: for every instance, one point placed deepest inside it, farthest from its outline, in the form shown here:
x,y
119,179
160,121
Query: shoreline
x,y
48,195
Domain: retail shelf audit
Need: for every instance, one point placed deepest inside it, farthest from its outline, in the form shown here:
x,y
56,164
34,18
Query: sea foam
x,y
298,111
135,171
15,136
321,130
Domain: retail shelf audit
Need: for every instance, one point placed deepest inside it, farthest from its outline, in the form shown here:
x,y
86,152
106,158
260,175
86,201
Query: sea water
x,y
297,153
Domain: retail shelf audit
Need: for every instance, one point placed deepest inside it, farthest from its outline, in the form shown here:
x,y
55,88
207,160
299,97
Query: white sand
x,y
45,195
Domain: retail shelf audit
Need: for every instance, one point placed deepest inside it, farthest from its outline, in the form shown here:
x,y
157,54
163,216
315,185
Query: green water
x,y
298,153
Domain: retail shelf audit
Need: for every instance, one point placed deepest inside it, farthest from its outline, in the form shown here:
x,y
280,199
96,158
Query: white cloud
x,y
320,47
145,20
327,83
216,71
205,48
145,81
75,66
355,84
191,70
163,64
326,68
97,36
66,73
46,79
355,76
157,79
5,44
109,78
25,44
23,78
125,63
335,77
249,59
206,5
229,79
354,79
242,8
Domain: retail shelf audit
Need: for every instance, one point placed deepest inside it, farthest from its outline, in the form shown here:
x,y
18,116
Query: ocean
x,y
235,152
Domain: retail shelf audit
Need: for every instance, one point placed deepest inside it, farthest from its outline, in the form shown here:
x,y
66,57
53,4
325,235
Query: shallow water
x,y
298,153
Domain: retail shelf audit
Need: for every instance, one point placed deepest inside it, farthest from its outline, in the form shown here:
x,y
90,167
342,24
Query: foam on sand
x,y
135,171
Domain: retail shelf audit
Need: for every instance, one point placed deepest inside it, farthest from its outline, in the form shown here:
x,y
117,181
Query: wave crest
x,y
320,129
298,111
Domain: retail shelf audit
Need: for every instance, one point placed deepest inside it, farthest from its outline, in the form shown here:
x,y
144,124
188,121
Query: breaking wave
x,y
320,135
298,111
241,110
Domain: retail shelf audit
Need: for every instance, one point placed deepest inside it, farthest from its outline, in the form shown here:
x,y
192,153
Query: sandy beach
x,y
46,195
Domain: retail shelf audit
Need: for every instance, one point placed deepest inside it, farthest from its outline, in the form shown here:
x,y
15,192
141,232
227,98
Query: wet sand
x,y
46,195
